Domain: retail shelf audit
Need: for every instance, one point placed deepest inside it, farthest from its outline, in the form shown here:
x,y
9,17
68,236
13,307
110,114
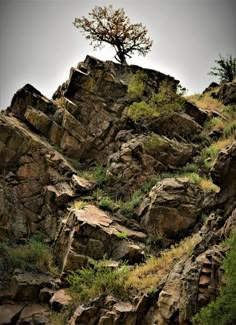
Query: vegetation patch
x,y
142,110
206,184
209,154
206,102
163,104
98,279
34,255
122,235
146,277
96,174
136,85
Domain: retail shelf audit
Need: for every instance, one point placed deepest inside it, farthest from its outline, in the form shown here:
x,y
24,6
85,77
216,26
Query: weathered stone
x,y
173,208
26,286
75,261
60,300
80,184
35,314
195,112
176,125
9,312
38,120
213,85
61,193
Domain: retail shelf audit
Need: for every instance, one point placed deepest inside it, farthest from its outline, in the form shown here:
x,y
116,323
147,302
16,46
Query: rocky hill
x,y
115,198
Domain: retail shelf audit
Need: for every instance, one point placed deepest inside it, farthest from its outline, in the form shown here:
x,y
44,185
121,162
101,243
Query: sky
x,y
39,44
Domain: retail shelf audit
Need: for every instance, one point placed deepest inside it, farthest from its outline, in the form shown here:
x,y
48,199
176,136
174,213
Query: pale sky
x,y
39,44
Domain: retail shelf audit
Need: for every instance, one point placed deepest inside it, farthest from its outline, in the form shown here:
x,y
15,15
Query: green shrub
x,y
136,85
96,173
98,279
128,207
106,204
147,186
163,103
230,129
190,168
222,311
225,69
141,110
209,154
35,254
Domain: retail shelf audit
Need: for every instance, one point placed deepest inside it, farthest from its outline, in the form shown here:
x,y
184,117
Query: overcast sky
x,y
39,43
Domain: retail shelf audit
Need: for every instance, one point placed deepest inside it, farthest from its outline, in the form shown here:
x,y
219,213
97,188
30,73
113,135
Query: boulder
x,y
199,115
213,85
39,120
227,93
172,208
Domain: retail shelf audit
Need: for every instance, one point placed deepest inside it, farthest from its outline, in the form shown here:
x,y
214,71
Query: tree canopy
x,y
225,69
112,26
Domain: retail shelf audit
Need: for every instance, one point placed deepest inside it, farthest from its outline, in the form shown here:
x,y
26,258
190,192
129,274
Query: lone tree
x,y
226,69
112,26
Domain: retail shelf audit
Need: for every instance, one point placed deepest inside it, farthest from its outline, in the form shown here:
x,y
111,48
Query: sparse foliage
x,y
225,69
112,26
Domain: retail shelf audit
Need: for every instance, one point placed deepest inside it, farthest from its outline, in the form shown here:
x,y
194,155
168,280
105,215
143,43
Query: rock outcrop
x,y
52,153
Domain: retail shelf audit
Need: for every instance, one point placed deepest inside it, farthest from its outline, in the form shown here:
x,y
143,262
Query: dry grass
x,y
208,186
204,183
221,144
218,123
147,276
206,102
209,154
78,205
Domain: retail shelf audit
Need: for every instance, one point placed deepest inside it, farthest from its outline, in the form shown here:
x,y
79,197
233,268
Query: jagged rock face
x,y
33,171
190,285
41,142
99,90
138,158
91,232
172,208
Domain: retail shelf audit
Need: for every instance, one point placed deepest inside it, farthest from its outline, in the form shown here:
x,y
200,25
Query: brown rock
x,y
60,300
26,286
173,208
35,314
204,281
9,312
227,93
61,193
40,121
80,184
